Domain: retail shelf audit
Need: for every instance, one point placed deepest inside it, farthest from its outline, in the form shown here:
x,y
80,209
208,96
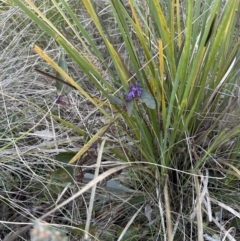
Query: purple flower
x,y
58,99
94,145
134,91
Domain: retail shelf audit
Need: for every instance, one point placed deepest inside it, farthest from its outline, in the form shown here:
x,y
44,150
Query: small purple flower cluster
x,y
58,99
134,91
94,145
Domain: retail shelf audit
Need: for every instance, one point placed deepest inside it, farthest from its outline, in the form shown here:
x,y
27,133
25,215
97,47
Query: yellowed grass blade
x,y
92,141
161,69
179,30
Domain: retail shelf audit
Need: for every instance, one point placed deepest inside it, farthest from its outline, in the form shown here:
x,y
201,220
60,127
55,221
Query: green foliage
x,y
61,88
